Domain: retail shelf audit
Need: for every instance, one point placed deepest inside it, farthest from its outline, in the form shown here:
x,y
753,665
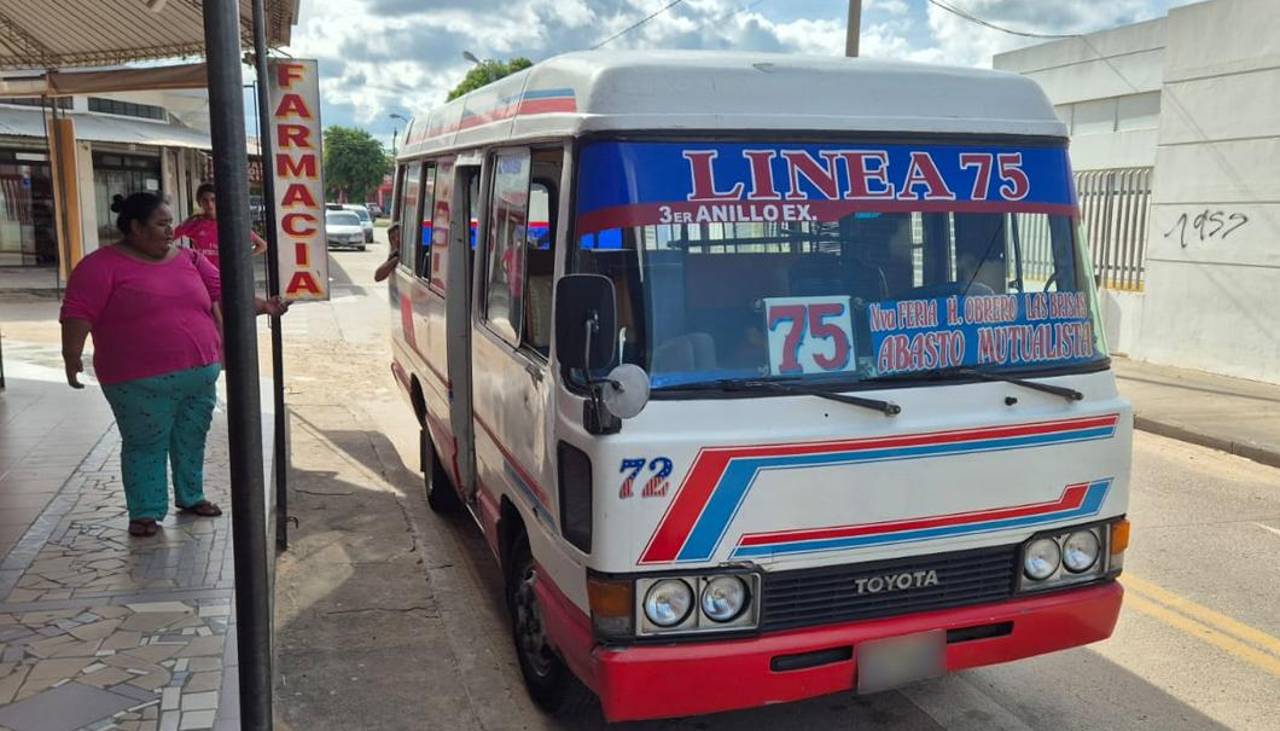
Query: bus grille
x,y
830,594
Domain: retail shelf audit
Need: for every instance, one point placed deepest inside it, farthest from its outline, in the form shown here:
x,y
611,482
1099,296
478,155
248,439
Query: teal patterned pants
x,y
159,417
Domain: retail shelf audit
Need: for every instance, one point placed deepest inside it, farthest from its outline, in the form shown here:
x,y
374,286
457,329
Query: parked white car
x,y
343,229
366,221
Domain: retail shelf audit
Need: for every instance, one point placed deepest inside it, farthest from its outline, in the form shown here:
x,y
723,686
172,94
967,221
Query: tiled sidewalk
x,y
99,630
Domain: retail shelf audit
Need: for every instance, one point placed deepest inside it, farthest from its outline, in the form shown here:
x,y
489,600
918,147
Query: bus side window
x,y
409,214
438,217
540,253
504,250
423,265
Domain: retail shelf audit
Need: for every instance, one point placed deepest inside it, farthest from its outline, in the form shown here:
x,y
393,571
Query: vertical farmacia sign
x,y
298,165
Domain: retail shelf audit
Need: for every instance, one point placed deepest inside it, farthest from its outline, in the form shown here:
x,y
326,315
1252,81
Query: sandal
x,y
144,527
204,509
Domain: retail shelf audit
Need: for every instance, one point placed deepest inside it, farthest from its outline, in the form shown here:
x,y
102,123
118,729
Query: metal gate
x,y
1114,208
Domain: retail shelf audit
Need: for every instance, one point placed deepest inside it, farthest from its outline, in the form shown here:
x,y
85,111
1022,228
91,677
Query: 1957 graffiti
x,y
1207,225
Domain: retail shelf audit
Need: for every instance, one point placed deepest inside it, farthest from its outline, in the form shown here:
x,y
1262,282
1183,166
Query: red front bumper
x,y
688,679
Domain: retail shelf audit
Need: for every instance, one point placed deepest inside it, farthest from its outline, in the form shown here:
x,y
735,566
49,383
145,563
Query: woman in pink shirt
x,y
153,312
202,229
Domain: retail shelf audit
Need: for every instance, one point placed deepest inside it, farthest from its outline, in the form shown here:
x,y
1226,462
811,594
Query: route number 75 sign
x,y
809,335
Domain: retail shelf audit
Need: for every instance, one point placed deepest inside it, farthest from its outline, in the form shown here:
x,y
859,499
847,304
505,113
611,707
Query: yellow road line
x,y
1205,633
1218,621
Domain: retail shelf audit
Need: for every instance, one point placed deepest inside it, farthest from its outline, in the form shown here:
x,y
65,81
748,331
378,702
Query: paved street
x,y
390,617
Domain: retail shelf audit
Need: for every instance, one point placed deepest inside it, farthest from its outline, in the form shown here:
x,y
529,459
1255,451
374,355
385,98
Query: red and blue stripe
x,y
717,484
1076,502
527,103
519,477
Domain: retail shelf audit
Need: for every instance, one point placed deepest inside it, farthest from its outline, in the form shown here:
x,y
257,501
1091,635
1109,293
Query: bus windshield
x,y
838,261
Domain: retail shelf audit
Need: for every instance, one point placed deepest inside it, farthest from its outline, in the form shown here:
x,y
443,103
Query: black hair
x,y
204,188
137,207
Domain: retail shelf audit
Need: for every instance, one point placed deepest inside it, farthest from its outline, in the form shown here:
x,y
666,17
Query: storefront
x,y
27,234
121,174
119,148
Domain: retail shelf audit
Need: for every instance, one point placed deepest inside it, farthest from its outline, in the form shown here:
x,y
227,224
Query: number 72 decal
x,y
809,335
655,486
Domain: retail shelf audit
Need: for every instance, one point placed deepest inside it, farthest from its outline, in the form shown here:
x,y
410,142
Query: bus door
x,y
458,268
513,385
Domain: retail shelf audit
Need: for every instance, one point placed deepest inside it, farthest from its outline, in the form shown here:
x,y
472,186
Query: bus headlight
x,y
1072,556
718,601
724,598
668,602
1041,559
1081,551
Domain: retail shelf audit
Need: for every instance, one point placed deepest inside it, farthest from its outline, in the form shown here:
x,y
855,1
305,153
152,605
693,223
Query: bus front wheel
x,y
440,493
550,683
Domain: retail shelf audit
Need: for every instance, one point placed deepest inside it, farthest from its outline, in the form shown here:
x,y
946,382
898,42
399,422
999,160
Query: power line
x,y
975,19
733,12
641,22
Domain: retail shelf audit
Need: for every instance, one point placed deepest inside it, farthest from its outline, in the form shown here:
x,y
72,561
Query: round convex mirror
x,y
627,391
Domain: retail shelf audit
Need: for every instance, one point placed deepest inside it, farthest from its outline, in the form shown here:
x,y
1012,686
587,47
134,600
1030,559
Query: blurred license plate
x,y
897,661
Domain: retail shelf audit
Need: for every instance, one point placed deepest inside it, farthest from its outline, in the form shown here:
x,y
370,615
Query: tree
x,y
487,72
354,163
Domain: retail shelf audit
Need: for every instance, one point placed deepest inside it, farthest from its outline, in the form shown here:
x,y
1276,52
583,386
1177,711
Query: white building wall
x,y
1193,95
1213,256
1110,63
1126,149
1105,87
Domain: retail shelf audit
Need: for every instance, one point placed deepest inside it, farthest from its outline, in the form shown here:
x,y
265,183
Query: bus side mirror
x,y
586,337
586,322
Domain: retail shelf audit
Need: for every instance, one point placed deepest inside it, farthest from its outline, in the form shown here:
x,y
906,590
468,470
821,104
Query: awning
x,y
48,35
100,128
71,83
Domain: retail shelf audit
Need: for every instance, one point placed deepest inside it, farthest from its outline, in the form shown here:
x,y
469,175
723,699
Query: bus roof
x,y
598,91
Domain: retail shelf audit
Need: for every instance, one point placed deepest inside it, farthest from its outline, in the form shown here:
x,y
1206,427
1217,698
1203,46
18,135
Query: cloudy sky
x,y
379,57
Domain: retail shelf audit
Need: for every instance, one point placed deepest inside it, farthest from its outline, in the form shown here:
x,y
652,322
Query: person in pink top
x,y
202,229
157,350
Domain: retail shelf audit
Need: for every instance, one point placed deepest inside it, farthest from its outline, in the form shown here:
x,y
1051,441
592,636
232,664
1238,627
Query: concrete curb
x,y
1266,455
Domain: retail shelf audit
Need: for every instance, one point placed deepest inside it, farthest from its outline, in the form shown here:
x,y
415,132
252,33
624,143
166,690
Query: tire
x,y
441,495
361,247
550,683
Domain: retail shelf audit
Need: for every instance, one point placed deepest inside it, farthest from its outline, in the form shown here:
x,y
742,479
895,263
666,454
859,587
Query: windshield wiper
x,y
888,408
1065,392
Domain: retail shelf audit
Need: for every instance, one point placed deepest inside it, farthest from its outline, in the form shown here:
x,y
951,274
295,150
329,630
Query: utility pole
x,y
222,34
396,131
854,29
280,447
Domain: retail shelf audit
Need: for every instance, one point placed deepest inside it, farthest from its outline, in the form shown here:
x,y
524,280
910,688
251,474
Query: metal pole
x,y
854,29
244,415
394,133
265,150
